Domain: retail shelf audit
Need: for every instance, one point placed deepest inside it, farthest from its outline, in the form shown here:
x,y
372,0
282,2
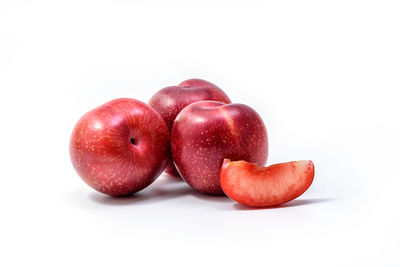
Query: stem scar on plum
x,y
133,141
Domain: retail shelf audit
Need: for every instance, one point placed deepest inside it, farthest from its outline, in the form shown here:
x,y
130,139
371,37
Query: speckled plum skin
x,y
171,100
120,147
206,132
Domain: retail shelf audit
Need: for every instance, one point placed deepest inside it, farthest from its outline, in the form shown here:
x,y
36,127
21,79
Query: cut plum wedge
x,y
256,186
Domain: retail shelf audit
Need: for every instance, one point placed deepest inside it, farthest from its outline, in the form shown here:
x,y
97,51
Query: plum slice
x,y
256,186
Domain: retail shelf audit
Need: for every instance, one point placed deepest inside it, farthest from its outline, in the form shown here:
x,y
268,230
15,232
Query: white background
x,y
324,75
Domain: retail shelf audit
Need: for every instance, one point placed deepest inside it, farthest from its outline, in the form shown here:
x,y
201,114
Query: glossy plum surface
x,y
169,101
206,132
120,147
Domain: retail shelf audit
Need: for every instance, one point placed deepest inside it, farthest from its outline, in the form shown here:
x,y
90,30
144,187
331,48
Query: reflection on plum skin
x,y
293,203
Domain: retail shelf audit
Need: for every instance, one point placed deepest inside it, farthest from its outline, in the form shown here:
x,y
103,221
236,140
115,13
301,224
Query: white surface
x,y
324,75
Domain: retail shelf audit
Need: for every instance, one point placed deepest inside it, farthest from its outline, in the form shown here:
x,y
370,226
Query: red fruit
x,y
206,132
120,147
256,186
171,100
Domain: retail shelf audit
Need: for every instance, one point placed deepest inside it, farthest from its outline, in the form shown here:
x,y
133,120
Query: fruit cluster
x,y
191,130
